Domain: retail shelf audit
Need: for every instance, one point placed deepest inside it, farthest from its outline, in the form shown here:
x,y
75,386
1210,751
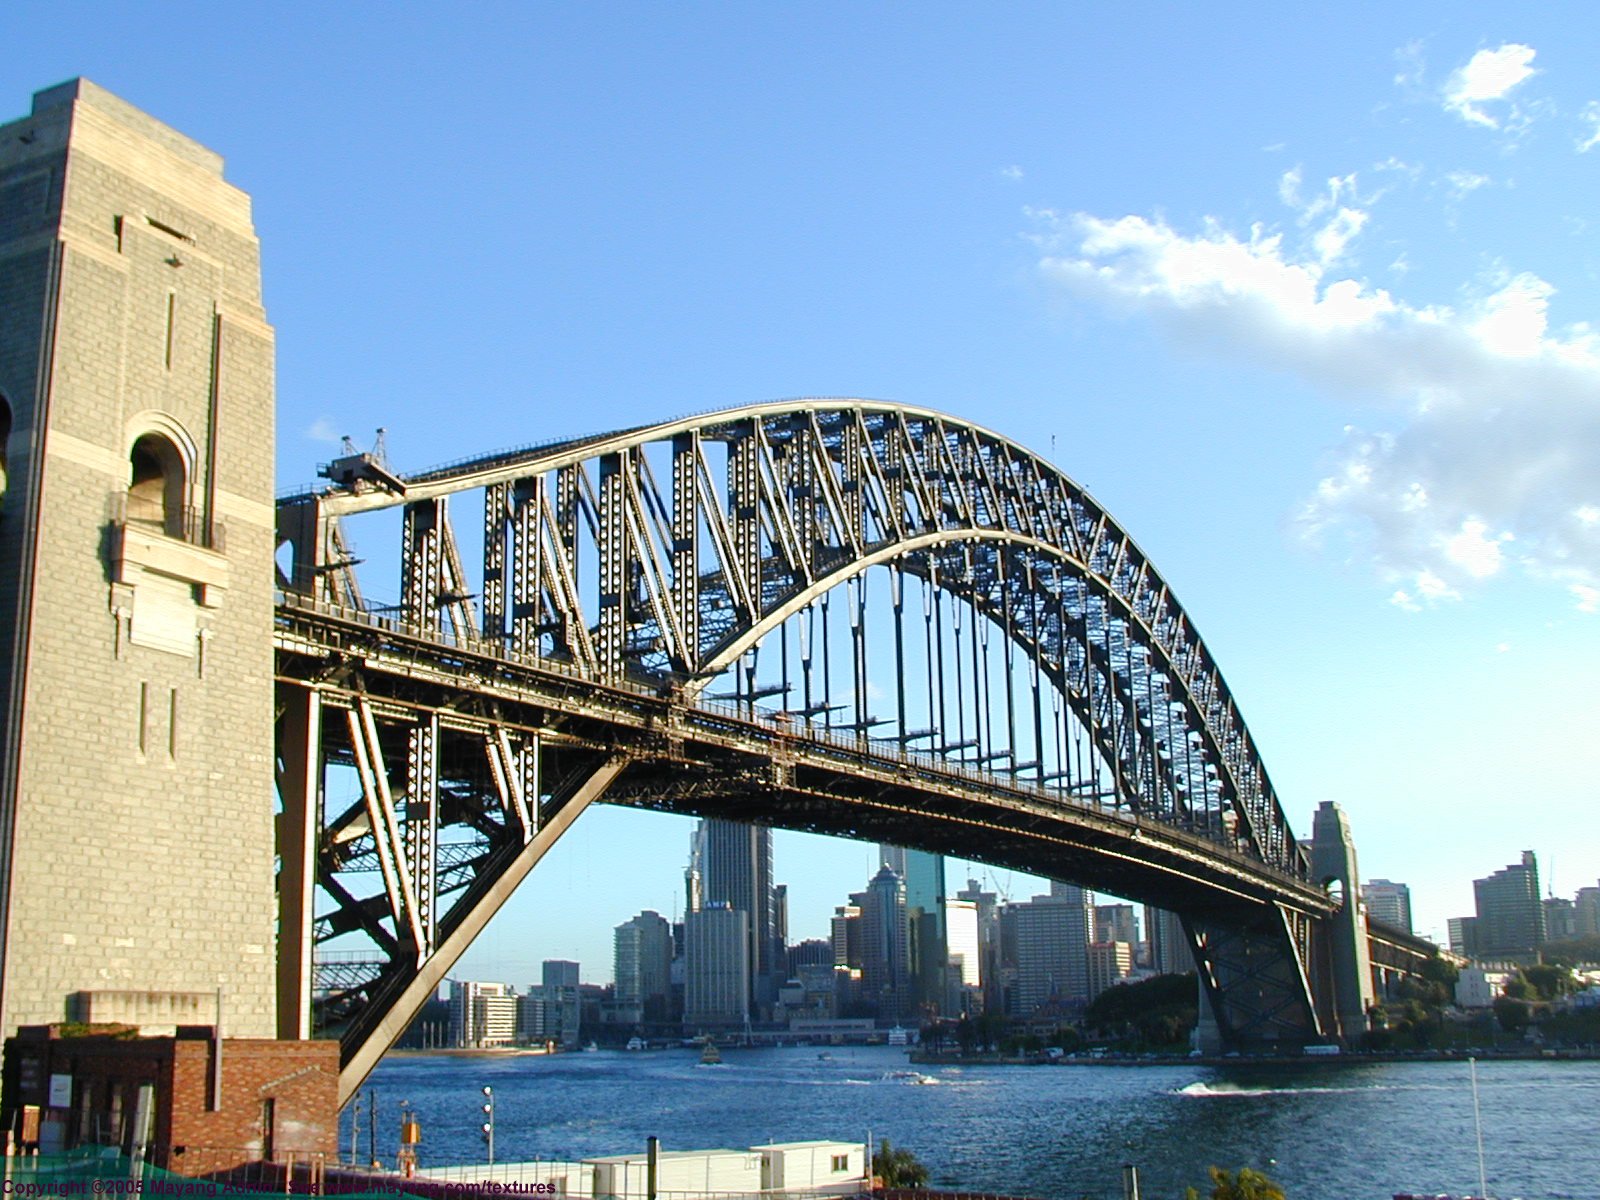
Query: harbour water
x,y
1325,1131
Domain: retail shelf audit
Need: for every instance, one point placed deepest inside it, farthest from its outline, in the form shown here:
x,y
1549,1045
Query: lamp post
x,y
488,1123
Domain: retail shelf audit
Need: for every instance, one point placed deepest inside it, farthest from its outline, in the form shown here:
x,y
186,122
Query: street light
x,y
488,1124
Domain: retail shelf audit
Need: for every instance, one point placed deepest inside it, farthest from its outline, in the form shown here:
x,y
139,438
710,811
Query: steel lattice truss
x,y
661,558
696,568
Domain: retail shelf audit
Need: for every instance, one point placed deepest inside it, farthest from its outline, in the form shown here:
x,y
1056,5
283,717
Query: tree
x,y
900,1168
1513,1014
1548,980
1246,1185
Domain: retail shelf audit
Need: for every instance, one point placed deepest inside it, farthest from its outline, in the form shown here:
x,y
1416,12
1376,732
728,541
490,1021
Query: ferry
x,y
899,1036
710,1056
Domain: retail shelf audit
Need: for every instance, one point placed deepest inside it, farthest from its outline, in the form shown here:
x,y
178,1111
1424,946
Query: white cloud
x,y
1013,173
1463,183
322,430
1488,77
1590,116
1487,463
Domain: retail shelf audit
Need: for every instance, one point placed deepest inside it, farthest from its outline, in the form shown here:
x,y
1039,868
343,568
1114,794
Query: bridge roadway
x,y
708,758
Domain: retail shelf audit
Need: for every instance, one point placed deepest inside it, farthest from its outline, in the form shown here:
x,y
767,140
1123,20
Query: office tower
x,y
559,991
923,875
736,870
1052,951
966,954
644,966
988,912
1560,919
1510,915
716,977
885,949
845,932
1116,923
1463,935
1169,948
1109,963
1388,903
1586,912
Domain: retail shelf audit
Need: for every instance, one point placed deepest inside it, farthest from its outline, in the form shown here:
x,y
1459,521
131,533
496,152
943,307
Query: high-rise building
x,y
1169,948
988,909
1052,952
1586,912
964,973
1463,936
716,977
1560,919
1388,903
1109,964
482,1014
1116,923
644,967
845,932
1510,915
558,990
736,870
885,946
927,937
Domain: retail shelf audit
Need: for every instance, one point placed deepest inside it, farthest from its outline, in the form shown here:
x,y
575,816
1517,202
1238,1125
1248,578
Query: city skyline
x,y
1252,302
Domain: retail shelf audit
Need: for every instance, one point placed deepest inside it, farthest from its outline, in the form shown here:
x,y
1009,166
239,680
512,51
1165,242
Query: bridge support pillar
x,y
1344,985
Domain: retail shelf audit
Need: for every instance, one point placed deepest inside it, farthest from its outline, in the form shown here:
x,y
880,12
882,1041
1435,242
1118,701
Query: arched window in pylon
x,y
158,484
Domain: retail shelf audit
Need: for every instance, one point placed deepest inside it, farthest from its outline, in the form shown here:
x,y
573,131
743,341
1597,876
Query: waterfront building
x,y
1109,963
885,946
1510,914
716,977
1169,947
1388,903
1052,948
1480,987
643,967
557,991
482,1014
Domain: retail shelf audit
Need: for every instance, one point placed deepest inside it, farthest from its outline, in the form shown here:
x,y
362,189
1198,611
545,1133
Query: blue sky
x,y
1304,297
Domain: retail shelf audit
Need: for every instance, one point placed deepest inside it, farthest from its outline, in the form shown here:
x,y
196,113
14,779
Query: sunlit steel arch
x,y
986,489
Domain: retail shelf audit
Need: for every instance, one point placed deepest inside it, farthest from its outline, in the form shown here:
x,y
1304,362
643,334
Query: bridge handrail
x,y
857,744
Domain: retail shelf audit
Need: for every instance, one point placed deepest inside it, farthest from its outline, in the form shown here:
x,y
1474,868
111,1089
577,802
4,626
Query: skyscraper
x,y
927,936
736,870
885,949
1052,953
1169,948
1388,903
644,966
1510,915
716,979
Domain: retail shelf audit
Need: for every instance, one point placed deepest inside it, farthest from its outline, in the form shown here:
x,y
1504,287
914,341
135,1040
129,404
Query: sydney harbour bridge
x,y
838,616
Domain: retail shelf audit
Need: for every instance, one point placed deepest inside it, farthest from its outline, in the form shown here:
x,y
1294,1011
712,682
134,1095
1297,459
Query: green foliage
x,y
1512,1013
1246,1185
1154,1012
898,1168
1573,952
1440,970
1548,980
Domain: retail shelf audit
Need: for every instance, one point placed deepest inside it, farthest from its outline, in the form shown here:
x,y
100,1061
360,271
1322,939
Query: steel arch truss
x,y
663,556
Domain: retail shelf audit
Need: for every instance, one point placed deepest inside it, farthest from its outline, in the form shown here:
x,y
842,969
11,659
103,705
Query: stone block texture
x,y
136,750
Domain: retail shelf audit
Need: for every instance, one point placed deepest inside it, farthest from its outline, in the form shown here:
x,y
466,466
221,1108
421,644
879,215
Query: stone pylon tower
x,y
136,544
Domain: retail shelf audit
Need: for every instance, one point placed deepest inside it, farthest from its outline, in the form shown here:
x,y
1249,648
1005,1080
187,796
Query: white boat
x,y
899,1036
635,1043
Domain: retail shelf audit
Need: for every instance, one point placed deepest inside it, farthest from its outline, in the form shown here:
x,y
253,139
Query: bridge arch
x,y
656,558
